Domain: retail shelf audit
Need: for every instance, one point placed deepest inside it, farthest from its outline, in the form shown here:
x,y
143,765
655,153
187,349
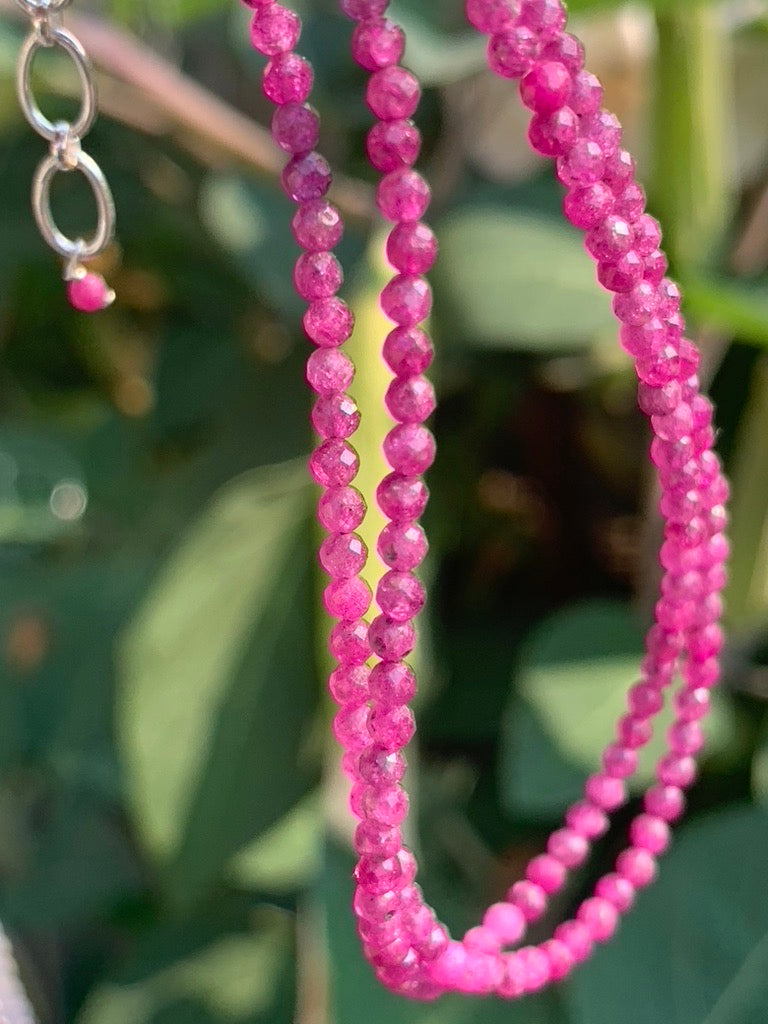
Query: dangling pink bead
x,y
89,293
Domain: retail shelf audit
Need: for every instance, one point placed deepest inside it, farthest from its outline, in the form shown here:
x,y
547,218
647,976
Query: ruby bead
x,y
329,371
377,43
296,127
335,416
600,916
619,762
529,898
566,49
647,235
667,802
400,595
317,275
608,792
512,51
492,15
577,937
341,509
343,555
587,819
506,922
392,683
391,640
546,18
481,938
512,984
408,351
89,293
393,144
554,134
634,732
656,267
288,78
561,959
393,93
359,10
537,970
381,767
317,225
630,202
586,96
673,770
379,875
623,275
274,30
407,300
348,642
589,205
546,87
547,872
648,832
410,399
348,685
306,177
347,599
350,727
582,165
334,463
412,248
403,195
374,839
617,890
619,169
329,322
568,846
402,498
604,129
402,546
392,728
409,449
692,705
637,866
385,805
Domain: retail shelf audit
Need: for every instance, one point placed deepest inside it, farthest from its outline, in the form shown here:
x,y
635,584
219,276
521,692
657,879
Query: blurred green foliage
x,y
170,850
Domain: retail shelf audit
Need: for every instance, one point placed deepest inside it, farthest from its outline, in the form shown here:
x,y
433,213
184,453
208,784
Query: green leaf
x,y
508,279
217,656
573,679
733,306
694,949
287,856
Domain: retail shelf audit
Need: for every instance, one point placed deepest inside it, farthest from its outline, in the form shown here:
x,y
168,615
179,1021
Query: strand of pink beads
x,y
409,949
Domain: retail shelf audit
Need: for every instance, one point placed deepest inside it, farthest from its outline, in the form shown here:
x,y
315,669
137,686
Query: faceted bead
x,y
412,248
377,43
407,300
393,93
692,705
410,399
546,872
606,791
600,916
546,18
296,127
512,51
379,875
566,49
317,275
288,78
409,449
582,165
329,371
392,683
604,129
622,275
546,87
588,206
529,898
611,238
393,144
647,235
492,15
577,936
674,770
341,509
393,728
350,727
306,177
403,195
630,202
380,767
335,416
391,640
334,464
586,95
349,685
329,322
408,350
347,599
637,866
656,267
372,839
561,959
568,846
554,134
634,732
658,401
402,546
648,832
402,498
617,890
400,595
645,700
506,922
348,643
685,738
667,802
275,30
645,340
387,805
619,169
619,762
587,819
317,225
638,306
343,555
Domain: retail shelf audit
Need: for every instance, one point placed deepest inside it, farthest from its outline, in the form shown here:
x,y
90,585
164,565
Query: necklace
x,y
410,951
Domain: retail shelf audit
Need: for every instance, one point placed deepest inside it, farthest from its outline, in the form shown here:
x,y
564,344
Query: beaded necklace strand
x,y
411,953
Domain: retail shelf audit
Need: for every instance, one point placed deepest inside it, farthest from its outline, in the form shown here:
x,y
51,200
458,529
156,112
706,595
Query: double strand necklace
x,y
411,952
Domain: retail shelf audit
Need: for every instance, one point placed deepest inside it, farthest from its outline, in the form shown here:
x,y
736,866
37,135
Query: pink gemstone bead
x,y
619,169
402,498
648,832
554,134
634,732
350,727
481,938
566,49
511,52
341,509
296,127
692,705
506,922
622,275
658,401
317,225
537,969
288,78
667,802
647,235
412,248
392,728
386,805
348,642
685,738
630,202
306,177
89,293
380,767
638,306
586,95
403,546
568,846
617,890
411,399
408,350
359,10
349,685
561,959
390,640
329,371
400,595
347,598
529,898
546,87
334,463
393,144
274,30
512,984
637,866
656,267
407,300
547,873
673,770
604,129
619,761
329,322
606,791
343,555
403,195
410,450
374,839
449,969
582,165
587,206
393,93
546,18
377,43
317,275
492,15
379,875
577,937
600,916
392,683
587,819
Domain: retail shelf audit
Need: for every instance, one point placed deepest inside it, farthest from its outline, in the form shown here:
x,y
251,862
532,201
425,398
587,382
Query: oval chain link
x,y
64,138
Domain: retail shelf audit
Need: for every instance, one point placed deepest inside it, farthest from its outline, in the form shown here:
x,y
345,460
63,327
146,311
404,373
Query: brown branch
x,y
167,98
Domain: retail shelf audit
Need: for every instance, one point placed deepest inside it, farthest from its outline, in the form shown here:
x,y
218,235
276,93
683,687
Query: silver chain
x,y
64,138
